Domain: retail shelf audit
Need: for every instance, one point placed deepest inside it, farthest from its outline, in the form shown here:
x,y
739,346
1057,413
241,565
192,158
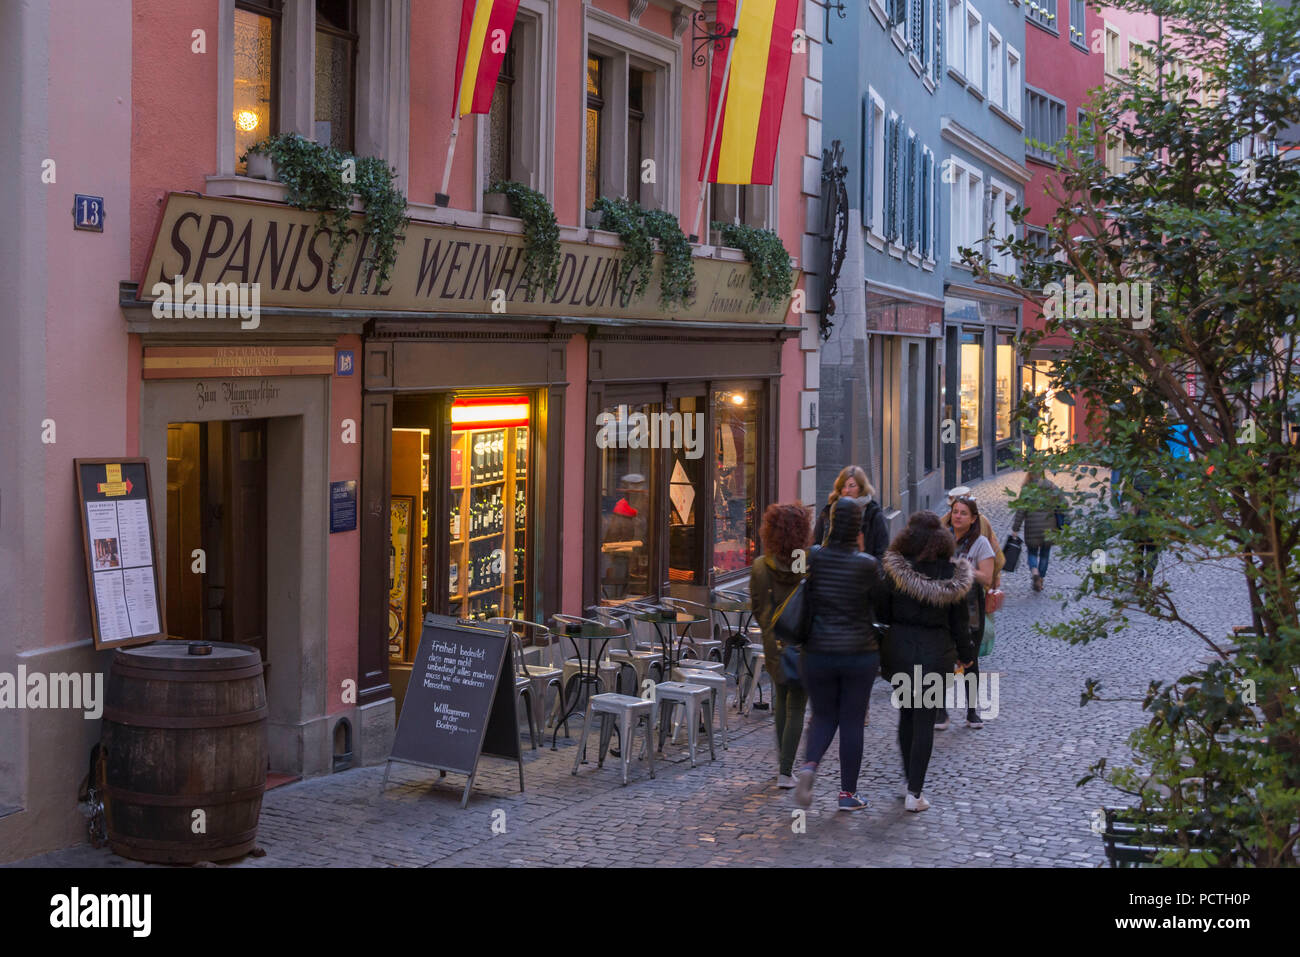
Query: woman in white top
x,y
976,549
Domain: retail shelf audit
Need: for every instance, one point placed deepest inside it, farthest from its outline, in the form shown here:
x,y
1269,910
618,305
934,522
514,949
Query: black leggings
x,y
916,742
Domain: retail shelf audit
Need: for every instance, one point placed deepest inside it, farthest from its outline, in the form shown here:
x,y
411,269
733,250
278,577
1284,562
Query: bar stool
x,y
629,712
755,664
697,701
716,681
704,648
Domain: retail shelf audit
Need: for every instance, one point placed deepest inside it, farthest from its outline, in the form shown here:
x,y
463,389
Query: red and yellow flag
x,y
485,27
750,123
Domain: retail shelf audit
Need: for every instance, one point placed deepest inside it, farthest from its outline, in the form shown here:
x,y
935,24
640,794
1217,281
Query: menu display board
x,y
126,606
460,703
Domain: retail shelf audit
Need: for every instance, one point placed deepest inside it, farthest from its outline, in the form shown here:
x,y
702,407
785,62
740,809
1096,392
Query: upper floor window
x,y
336,63
966,207
1002,199
257,74
995,67
956,28
595,108
633,115
1078,23
974,47
1113,54
745,205
501,121
1141,59
873,164
1043,14
1015,89
1044,124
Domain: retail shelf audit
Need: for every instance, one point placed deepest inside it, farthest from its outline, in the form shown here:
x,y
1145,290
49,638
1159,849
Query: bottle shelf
x,y
487,484
483,591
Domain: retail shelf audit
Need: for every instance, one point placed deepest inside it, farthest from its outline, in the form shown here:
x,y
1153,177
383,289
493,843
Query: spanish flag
x,y
485,27
750,123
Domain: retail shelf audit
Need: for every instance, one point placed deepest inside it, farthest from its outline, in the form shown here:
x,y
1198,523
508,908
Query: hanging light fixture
x,y
246,120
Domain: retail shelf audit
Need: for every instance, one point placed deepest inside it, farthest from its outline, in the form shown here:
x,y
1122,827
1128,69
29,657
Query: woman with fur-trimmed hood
x,y
923,601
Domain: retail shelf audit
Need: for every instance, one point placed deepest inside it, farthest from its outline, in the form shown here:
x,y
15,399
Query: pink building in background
x,y
334,461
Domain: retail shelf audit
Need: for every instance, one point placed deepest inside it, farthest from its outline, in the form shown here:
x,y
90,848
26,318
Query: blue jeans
x,y
1038,557
838,687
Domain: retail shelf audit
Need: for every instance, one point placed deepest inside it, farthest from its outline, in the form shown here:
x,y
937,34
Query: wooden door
x,y
184,531
244,534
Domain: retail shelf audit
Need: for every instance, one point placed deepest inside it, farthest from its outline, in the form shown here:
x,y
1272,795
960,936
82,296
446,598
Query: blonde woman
x,y
852,483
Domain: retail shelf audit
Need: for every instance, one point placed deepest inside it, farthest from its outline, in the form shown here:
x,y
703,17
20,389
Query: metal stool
x,y
629,712
697,700
702,664
755,664
717,683
539,678
642,664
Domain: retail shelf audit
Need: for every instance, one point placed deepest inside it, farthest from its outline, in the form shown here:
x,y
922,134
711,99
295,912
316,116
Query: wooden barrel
x,y
184,733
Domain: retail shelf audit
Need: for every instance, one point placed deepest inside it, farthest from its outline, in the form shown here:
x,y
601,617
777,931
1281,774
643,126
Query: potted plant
x,y
260,166
495,203
314,175
771,275
541,235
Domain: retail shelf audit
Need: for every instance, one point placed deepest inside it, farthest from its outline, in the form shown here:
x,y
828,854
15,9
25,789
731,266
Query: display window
x,y
485,517
735,491
1003,383
971,370
629,482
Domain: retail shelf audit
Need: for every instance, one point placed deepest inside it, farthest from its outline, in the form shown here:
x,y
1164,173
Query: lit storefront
x,y
982,376
679,512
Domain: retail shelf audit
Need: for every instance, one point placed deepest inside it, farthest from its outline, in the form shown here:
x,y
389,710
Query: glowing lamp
x,y
738,398
492,412
246,120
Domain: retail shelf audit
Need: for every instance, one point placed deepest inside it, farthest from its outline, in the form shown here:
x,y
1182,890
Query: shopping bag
x,y
986,646
1011,552
993,600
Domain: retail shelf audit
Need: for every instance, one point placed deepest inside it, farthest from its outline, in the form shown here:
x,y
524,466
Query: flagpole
x,y
717,117
442,199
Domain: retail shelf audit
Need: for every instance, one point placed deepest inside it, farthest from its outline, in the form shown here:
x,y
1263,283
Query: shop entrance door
x,y
216,523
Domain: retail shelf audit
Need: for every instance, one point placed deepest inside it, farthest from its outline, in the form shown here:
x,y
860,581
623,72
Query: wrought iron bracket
x,y
838,6
702,36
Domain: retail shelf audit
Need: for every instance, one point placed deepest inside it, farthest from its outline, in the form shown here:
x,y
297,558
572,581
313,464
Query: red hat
x,y
623,508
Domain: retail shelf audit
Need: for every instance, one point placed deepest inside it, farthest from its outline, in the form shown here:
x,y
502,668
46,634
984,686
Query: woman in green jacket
x,y
771,580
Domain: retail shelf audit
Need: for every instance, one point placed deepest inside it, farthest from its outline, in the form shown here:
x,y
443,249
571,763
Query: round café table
x,y
665,623
589,640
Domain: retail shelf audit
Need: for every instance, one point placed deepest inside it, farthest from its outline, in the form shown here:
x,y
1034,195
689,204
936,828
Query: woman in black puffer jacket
x,y
923,603
841,656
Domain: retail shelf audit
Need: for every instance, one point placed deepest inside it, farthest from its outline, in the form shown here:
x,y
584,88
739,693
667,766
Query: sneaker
x,y
784,781
851,802
973,721
803,784
941,725
916,803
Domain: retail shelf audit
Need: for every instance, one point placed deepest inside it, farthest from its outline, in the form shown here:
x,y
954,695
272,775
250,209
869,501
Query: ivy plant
x,y
541,235
677,279
627,218
636,227
771,275
315,176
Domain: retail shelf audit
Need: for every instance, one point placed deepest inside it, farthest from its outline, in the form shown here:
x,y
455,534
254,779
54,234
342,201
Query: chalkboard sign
x,y
460,703
126,603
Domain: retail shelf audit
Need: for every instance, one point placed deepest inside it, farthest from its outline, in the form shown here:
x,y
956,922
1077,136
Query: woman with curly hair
x,y
771,580
923,602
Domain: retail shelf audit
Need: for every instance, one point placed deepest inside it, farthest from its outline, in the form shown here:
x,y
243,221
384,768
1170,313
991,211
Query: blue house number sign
x,y
88,213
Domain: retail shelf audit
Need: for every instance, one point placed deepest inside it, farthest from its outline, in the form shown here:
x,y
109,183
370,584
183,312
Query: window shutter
x,y
914,24
910,199
927,164
988,217
938,38
891,179
868,171
897,12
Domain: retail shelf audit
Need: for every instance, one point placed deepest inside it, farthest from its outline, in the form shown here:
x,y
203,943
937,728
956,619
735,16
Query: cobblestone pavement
x,y
1003,796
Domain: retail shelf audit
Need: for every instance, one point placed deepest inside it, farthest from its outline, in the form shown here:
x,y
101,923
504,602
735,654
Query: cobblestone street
x,y
1004,795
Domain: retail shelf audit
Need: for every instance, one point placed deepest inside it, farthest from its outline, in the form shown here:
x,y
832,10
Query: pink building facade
x,y
333,460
